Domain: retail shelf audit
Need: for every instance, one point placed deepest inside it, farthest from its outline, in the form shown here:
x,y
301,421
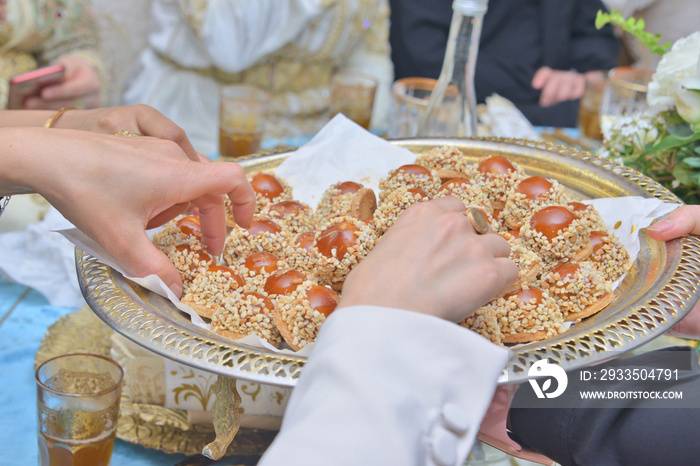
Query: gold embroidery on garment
x,y
298,74
46,30
195,11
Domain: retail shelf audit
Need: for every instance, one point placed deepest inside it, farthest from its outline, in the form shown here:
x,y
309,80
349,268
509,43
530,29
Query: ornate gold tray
x,y
659,290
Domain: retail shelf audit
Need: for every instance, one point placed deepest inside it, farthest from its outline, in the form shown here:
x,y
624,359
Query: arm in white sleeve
x,y
388,387
238,33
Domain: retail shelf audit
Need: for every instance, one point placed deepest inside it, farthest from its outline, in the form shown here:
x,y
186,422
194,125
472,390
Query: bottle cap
x,y
470,7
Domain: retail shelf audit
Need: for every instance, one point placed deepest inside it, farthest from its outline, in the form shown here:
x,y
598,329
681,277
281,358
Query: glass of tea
x,y
242,113
352,94
589,111
78,409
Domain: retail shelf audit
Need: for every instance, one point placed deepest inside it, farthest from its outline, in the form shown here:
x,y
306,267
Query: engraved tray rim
x,y
666,300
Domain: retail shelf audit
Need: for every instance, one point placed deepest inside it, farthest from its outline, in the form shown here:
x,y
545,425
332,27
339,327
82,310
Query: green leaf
x,y
682,174
672,142
680,130
692,161
634,27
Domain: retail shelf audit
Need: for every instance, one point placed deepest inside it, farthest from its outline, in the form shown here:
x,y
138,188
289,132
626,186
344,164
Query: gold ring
x,y
478,220
123,132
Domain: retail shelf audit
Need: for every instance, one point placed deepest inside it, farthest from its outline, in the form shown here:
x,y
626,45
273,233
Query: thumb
x,y
682,221
142,259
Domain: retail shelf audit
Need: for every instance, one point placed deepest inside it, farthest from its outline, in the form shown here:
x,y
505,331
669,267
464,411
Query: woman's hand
x,y
682,221
431,261
137,119
80,87
114,188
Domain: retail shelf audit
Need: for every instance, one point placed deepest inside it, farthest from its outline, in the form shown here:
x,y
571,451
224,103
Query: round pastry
x,y
588,214
299,314
529,264
527,315
341,246
448,158
609,255
528,195
496,175
208,290
268,190
557,235
190,260
464,190
393,204
410,176
337,201
299,254
283,282
258,267
263,235
246,313
180,230
485,323
293,216
579,289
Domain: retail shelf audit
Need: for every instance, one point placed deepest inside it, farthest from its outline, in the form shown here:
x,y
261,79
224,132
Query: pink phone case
x,y
30,84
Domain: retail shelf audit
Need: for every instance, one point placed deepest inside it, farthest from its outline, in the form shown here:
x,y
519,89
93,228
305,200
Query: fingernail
x,y
662,226
176,289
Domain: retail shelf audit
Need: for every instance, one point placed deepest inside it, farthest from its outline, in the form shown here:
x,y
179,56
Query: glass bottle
x,y
456,79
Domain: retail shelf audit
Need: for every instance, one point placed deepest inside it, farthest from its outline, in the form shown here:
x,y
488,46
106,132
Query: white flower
x,y
629,135
675,82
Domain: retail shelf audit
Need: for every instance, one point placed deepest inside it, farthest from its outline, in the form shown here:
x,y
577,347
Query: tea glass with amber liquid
x,y
242,113
78,409
590,133
352,94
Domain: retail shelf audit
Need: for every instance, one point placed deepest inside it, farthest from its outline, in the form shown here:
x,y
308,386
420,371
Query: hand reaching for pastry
x,y
114,188
432,261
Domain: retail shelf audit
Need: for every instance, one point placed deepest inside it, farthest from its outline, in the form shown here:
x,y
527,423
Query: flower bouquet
x,y
664,145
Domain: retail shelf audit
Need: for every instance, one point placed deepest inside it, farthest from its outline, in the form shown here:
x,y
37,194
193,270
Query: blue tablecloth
x,y
25,315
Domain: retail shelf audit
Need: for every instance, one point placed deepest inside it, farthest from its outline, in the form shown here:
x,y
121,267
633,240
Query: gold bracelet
x,y
51,121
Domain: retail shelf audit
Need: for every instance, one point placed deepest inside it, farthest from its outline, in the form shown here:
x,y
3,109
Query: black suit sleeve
x,y
629,432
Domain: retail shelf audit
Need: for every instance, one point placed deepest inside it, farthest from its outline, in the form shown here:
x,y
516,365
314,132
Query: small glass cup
x,y
625,94
242,113
409,99
78,409
589,111
352,94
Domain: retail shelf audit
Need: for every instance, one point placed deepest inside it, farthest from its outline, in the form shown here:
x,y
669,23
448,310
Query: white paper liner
x,y
344,151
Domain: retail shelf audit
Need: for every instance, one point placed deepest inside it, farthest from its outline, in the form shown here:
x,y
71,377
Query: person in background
x,y
288,47
535,53
36,33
